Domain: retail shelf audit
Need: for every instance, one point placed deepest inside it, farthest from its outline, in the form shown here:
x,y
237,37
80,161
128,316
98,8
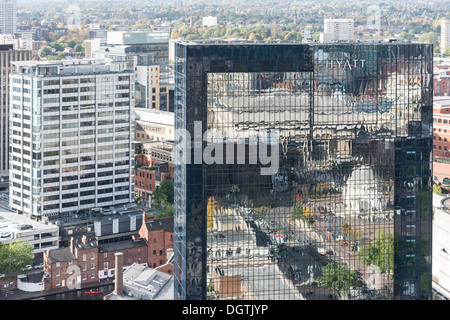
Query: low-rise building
x,y
89,261
42,236
158,234
70,266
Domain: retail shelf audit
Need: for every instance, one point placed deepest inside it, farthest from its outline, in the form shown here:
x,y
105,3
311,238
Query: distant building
x,y
209,21
91,46
445,36
339,29
147,53
8,16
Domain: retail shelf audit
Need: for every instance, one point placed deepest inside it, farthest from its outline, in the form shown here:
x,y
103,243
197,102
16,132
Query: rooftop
x,y
283,42
13,225
155,116
142,282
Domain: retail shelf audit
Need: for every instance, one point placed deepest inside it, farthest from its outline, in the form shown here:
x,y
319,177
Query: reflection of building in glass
x,y
345,130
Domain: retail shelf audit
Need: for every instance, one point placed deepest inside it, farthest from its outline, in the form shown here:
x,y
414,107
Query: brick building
x,y
441,141
64,266
134,251
441,81
91,261
158,234
154,164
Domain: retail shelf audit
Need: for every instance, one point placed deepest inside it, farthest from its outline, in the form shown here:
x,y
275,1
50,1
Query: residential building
x,y
348,127
8,16
71,266
445,36
158,234
7,56
71,133
339,29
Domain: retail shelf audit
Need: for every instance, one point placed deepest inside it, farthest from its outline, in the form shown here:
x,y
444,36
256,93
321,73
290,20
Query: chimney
x,y
118,288
72,245
84,240
146,218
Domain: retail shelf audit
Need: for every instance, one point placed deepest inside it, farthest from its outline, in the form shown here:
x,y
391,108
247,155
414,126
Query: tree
x,y
337,277
437,189
165,188
162,199
15,256
44,52
429,37
380,252
78,48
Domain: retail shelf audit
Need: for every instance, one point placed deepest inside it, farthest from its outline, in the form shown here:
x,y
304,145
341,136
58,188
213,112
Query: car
x,y
38,266
26,227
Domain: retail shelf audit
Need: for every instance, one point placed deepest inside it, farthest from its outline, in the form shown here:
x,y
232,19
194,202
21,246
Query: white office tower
x,y
71,136
445,36
7,55
338,29
8,15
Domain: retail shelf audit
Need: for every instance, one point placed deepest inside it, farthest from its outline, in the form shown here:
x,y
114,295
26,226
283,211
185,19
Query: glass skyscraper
x,y
303,170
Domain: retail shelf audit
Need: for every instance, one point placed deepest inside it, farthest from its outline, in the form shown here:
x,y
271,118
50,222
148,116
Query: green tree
x,y
162,199
429,37
337,277
380,252
437,189
165,188
44,52
15,256
78,48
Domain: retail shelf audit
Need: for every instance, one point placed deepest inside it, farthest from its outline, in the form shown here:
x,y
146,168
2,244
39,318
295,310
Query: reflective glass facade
x,y
303,171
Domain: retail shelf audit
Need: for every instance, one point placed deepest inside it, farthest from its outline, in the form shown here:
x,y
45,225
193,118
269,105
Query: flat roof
x,y
10,223
388,41
155,116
